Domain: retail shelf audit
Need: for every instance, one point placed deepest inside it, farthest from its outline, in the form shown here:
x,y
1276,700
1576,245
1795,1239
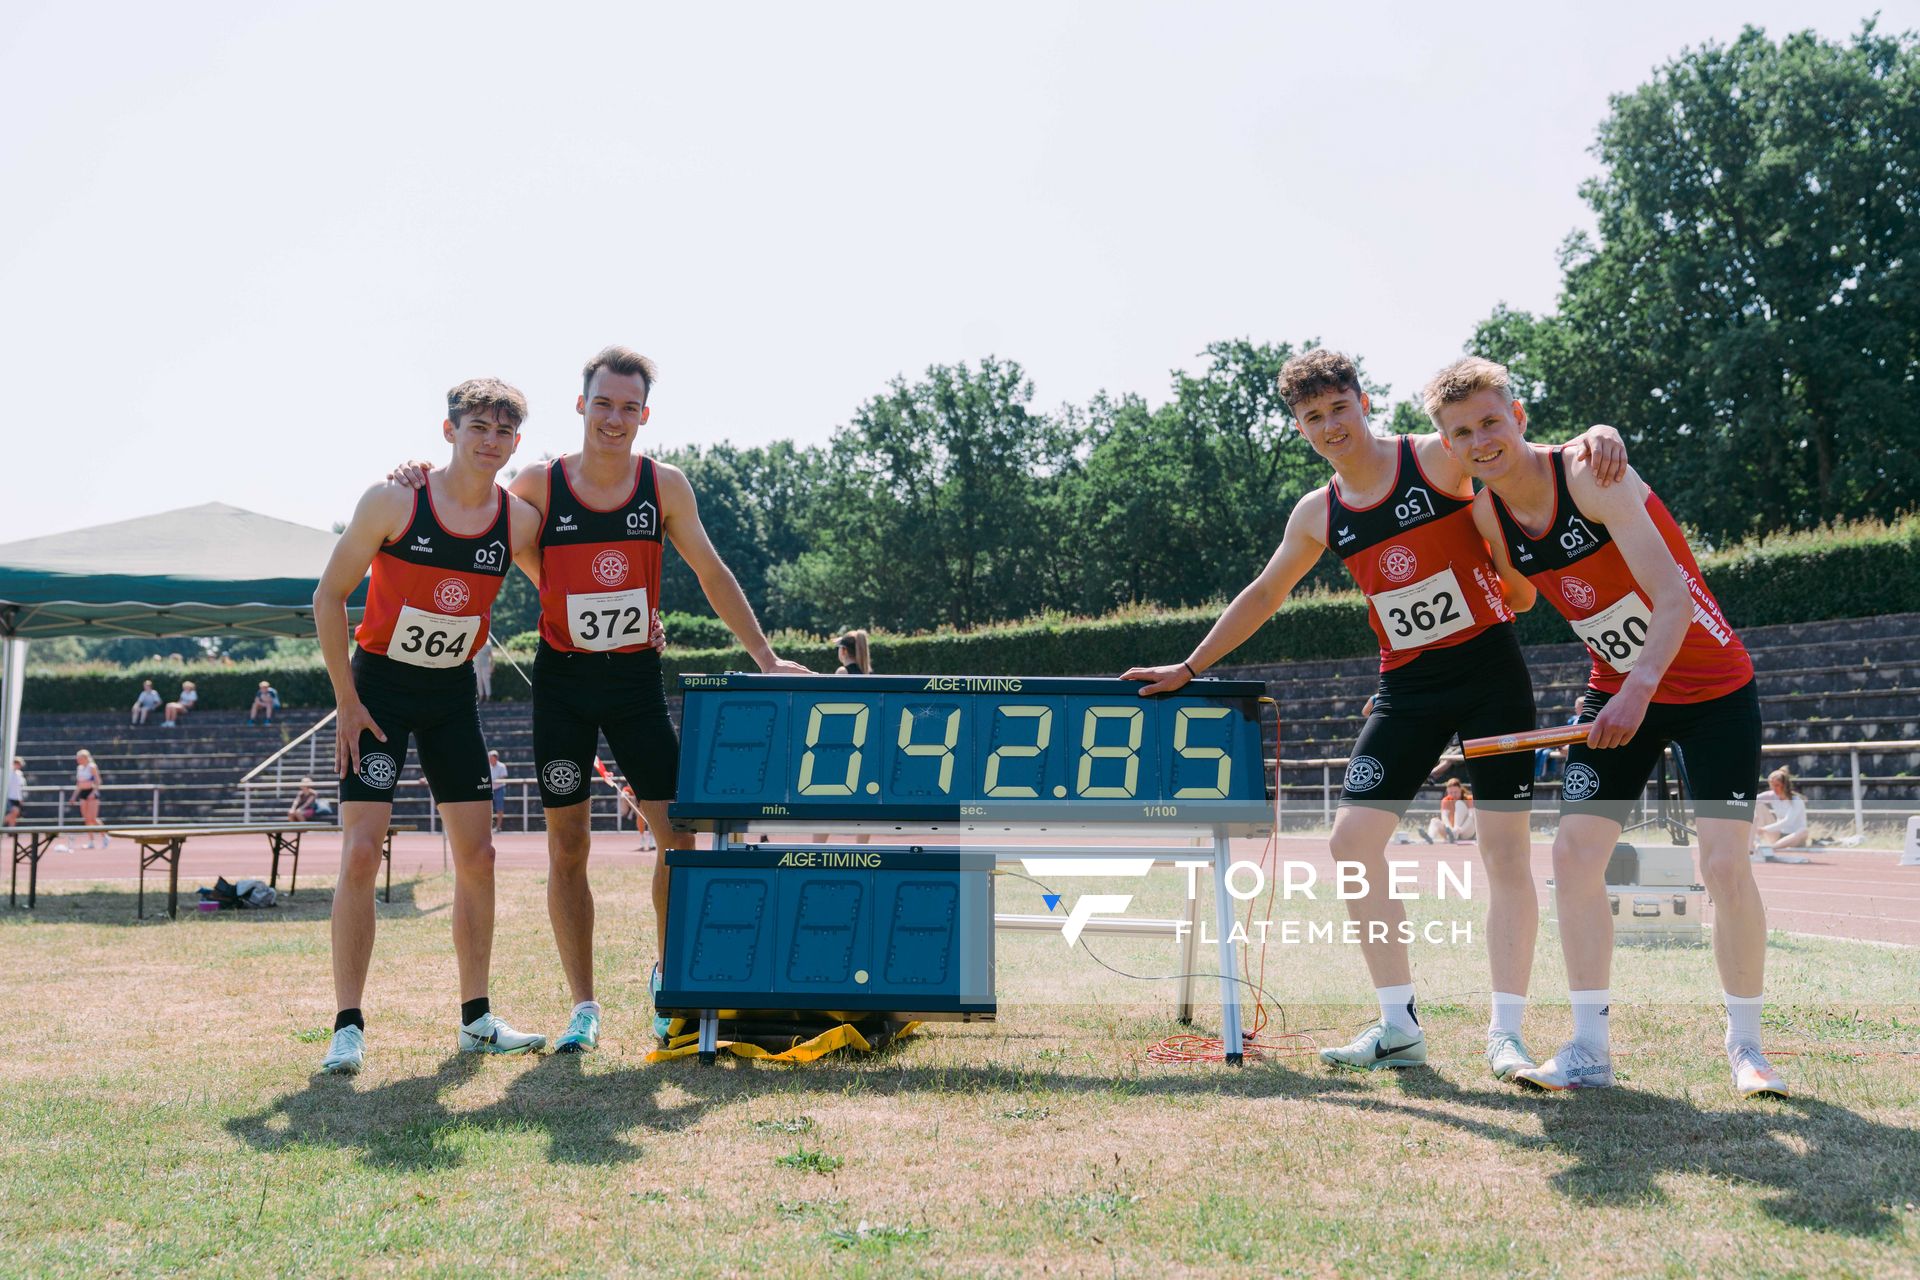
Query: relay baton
x,y
1501,743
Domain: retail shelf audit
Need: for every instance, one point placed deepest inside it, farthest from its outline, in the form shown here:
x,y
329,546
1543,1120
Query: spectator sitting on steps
x,y
265,701
145,703
175,710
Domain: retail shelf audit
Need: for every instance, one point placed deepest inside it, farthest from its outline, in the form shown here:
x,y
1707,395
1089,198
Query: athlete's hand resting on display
x,y
347,727
1620,719
414,474
1164,679
785,667
1605,452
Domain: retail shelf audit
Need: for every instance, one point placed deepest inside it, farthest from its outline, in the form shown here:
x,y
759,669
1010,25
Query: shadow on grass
x,y
95,905
584,1115
1820,1167
407,1125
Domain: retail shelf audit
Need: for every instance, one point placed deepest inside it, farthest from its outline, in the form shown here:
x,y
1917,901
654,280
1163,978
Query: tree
x,y
933,508
1749,315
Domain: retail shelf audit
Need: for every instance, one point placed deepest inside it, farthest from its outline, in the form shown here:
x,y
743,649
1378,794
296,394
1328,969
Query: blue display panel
x,y
856,929
950,748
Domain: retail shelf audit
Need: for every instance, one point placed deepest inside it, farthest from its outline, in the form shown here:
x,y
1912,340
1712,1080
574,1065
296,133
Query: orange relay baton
x,y
1531,740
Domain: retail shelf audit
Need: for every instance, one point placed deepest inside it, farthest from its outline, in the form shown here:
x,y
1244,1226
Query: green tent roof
x,y
206,570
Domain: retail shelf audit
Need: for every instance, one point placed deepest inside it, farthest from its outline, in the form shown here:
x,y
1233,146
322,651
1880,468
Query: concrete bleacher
x,y
1849,680
1843,681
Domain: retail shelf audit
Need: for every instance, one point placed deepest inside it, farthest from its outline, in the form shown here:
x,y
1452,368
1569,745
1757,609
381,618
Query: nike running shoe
x,y
487,1034
1753,1075
346,1053
1574,1067
1380,1046
582,1034
1506,1055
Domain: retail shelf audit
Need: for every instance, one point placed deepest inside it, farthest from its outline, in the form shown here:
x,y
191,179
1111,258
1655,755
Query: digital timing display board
x,y
856,929
956,748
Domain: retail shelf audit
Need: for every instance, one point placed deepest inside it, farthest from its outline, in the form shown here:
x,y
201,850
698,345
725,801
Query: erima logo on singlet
x,y
1346,536
420,542
565,524
1525,553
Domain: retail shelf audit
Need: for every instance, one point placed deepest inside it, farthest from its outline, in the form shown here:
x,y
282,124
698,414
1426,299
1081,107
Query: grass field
x,y
160,1117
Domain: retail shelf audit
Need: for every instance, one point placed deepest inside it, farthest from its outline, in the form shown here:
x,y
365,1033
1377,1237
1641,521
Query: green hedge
x,y
1852,572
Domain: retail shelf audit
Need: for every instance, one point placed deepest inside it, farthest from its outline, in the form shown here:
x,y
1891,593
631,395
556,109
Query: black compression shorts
x,y
579,696
437,709
1474,690
1716,745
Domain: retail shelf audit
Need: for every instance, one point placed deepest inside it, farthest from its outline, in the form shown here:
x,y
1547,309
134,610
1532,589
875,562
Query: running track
x,y
1843,894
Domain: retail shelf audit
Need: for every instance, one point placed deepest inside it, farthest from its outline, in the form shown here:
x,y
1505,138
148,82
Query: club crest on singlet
x,y
610,568
1578,593
1398,563
451,595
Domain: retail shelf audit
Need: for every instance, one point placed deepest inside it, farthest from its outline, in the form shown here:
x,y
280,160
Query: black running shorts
x,y
1715,743
437,709
577,697
1473,690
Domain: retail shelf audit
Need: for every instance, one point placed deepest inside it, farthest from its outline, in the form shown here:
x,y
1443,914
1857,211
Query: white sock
x,y
1396,1008
1590,1015
1743,1020
588,1006
1508,1010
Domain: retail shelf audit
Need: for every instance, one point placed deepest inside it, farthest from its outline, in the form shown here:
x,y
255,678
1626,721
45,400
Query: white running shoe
x,y
1753,1075
346,1053
1506,1055
1574,1067
1379,1046
487,1034
582,1034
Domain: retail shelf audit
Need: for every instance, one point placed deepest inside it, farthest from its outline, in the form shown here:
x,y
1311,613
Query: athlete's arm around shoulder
x,y
529,490
382,516
680,517
1622,508
1599,445
1521,593
1300,546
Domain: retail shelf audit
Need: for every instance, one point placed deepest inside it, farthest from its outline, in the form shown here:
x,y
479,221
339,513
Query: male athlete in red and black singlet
x,y
603,514
1667,669
1398,512
438,556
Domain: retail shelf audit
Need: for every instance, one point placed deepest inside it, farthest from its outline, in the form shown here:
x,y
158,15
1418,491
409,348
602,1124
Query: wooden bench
x,y
29,844
164,844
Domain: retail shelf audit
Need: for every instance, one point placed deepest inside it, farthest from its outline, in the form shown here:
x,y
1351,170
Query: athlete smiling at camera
x,y
605,514
1666,669
438,556
1397,513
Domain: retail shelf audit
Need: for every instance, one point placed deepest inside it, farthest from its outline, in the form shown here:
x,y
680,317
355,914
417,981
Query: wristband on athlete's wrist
x,y
1191,673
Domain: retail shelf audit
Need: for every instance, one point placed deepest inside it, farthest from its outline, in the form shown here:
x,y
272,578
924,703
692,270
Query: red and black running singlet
x,y
431,592
1580,572
1424,567
600,570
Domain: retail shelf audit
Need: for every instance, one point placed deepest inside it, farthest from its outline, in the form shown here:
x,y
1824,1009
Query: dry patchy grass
x,y
160,1116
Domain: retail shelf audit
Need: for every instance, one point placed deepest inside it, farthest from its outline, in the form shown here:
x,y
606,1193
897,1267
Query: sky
x,y
245,249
